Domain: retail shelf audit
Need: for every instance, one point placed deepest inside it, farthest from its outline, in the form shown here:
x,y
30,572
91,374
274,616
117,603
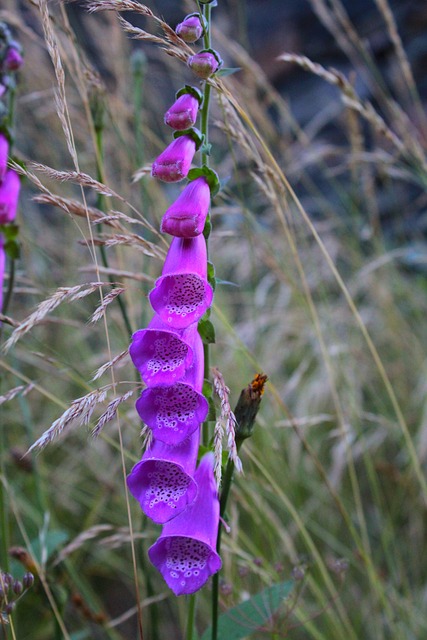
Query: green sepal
x,y
214,3
206,149
12,249
211,417
216,56
193,91
206,331
227,71
194,134
207,389
10,231
210,175
211,275
207,228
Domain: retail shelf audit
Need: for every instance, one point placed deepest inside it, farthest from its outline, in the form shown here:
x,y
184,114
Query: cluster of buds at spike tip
x,y
169,356
11,590
11,59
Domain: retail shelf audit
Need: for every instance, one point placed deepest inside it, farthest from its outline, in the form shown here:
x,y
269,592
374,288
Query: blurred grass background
x,y
320,228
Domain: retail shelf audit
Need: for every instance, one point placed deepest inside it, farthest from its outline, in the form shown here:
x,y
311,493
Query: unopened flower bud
x,y
190,29
248,405
174,163
183,113
13,59
205,63
17,587
28,580
9,608
9,193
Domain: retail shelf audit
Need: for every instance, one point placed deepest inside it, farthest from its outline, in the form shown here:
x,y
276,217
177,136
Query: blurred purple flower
x,y
13,59
162,481
190,29
183,113
9,194
186,217
204,64
182,294
161,354
185,554
175,411
4,154
174,163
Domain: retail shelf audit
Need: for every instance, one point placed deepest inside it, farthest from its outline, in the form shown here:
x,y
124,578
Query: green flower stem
x,y
100,204
191,616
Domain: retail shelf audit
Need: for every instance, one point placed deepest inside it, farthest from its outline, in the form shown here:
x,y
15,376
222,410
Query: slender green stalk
x,y
100,203
191,616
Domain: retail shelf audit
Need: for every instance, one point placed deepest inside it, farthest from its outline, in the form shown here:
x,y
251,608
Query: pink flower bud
x,y
174,163
183,113
190,29
13,59
2,268
4,153
204,64
186,217
9,194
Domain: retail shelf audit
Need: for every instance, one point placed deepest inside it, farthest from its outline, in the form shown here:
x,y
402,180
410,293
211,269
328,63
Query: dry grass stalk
x,y
110,413
21,390
82,179
79,412
116,273
80,540
129,239
348,94
226,423
61,295
105,367
106,300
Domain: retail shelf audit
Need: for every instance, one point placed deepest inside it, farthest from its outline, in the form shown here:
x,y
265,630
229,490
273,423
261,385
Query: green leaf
x,y
210,175
207,388
211,275
206,331
241,621
227,71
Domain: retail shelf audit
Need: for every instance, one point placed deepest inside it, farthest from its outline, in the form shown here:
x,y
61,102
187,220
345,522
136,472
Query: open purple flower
x,y
4,153
185,554
183,113
174,163
176,411
9,194
190,29
162,481
161,354
182,294
186,217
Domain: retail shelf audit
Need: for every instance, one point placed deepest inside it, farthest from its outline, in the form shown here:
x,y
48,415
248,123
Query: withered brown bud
x,y
248,405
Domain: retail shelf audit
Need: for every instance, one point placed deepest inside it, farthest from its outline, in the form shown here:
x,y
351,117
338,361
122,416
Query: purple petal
x,y
162,481
162,355
186,217
183,113
185,554
174,163
9,194
4,153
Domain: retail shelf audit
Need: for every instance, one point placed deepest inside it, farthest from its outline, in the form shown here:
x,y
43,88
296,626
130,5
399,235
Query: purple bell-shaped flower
x,y
161,354
174,163
182,294
9,194
4,154
176,411
162,481
185,554
2,268
186,217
